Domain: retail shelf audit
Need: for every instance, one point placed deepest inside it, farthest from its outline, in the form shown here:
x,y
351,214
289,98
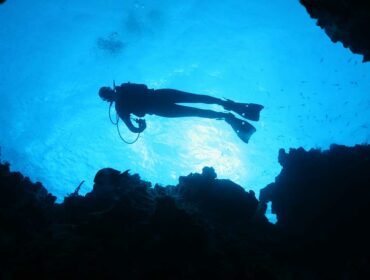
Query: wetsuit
x,y
138,100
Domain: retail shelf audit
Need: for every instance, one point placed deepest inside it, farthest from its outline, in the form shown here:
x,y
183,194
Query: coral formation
x,y
321,200
345,21
203,227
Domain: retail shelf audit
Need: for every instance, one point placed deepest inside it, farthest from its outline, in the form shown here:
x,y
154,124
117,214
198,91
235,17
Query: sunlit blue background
x,y
54,58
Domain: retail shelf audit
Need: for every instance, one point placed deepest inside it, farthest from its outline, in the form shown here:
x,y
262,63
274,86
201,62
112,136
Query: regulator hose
x,y
119,132
110,116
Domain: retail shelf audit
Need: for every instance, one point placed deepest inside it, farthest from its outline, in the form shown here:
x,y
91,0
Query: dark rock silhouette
x,y
207,193
201,228
125,227
344,21
321,200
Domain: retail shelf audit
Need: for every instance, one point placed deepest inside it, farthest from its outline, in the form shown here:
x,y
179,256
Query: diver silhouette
x,y
138,100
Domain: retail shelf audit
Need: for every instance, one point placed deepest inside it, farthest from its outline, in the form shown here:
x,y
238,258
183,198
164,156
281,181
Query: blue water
x,y
55,55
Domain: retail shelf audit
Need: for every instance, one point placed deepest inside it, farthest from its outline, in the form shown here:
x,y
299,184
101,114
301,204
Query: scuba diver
x,y
138,100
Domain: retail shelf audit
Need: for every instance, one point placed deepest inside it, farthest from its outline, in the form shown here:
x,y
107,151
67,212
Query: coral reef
x,y
347,21
201,228
321,200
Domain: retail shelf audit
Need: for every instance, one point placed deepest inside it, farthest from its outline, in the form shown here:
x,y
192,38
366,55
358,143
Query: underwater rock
x,y
125,227
321,199
201,228
222,200
345,21
25,219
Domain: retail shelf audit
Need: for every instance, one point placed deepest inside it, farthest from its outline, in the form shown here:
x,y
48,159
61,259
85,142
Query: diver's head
x,y
107,94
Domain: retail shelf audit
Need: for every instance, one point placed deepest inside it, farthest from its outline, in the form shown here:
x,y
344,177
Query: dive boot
x,y
249,111
242,128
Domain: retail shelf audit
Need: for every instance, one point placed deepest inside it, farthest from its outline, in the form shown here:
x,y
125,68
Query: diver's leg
x,y
249,111
177,96
178,111
241,127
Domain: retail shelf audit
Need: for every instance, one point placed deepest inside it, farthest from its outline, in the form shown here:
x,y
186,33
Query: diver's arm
x,y
127,120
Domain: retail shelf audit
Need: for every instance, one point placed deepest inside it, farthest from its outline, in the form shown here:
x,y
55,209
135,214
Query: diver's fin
x,y
242,128
249,111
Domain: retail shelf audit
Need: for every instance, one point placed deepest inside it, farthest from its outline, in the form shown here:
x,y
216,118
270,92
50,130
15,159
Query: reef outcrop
x,y
322,203
346,21
201,228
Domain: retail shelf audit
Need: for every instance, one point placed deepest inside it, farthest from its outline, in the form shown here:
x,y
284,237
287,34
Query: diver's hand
x,y
141,123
